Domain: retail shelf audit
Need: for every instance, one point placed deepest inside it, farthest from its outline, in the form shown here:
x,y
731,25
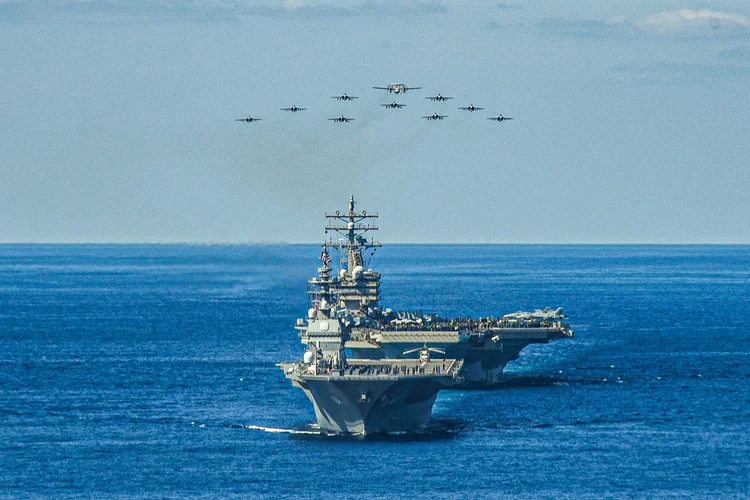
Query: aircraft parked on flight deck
x,y
435,116
438,97
344,97
249,119
393,105
293,109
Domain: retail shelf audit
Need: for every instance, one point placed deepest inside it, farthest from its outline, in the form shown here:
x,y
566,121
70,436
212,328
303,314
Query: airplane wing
x,y
477,109
434,98
447,98
301,109
240,119
506,118
381,88
463,107
412,88
348,119
286,109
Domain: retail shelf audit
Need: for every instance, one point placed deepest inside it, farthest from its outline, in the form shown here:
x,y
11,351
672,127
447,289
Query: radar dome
x,y
308,357
350,225
342,273
357,272
311,313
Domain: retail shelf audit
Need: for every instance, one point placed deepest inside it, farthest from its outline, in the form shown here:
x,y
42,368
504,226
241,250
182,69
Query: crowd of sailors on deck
x,y
460,324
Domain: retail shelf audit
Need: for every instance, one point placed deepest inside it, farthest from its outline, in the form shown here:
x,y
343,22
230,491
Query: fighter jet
x,y
435,116
470,107
293,109
500,118
249,119
342,118
393,105
397,88
438,97
344,97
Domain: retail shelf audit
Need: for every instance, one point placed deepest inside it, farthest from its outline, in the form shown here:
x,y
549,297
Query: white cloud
x,y
682,23
206,10
688,20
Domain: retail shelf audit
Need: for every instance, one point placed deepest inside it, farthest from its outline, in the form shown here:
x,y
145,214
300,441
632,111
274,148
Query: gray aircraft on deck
x,y
344,97
435,116
249,119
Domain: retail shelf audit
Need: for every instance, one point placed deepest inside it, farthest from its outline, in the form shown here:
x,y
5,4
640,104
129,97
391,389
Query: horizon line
x,y
288,243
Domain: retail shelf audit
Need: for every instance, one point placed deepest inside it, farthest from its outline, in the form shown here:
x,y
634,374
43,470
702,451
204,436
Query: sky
x,y
631,120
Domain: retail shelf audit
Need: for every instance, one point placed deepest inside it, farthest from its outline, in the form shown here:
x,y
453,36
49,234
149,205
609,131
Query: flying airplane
x,y
397,88
435,116
341,118
500,118
393,105
438,97
249,119
470,107
293,109
344,97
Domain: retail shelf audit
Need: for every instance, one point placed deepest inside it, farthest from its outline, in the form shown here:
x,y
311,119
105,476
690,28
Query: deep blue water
x,y
143,371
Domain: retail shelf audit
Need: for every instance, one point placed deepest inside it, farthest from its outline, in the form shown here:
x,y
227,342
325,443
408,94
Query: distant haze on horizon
x,y
630,121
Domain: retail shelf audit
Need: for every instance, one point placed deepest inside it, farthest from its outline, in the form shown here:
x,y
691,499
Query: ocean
x,y
132,371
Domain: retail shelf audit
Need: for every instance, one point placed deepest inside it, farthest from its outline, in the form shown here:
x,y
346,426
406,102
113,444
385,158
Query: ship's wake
x,y
438,429
276,430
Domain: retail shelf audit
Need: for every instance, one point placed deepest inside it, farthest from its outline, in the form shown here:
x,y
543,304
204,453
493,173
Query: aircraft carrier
x,y
485,344
369,369
363,396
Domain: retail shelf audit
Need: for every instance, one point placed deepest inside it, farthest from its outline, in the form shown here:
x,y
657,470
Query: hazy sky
x,y
631,120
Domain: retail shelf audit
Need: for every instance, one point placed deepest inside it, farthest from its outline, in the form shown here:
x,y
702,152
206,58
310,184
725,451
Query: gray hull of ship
x,y
370,406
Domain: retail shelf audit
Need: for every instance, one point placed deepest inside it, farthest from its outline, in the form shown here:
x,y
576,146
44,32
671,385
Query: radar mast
x,y
352,226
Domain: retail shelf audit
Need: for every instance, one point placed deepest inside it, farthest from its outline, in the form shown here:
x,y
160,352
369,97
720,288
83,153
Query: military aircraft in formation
x,y
397,88
342,119
438,97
